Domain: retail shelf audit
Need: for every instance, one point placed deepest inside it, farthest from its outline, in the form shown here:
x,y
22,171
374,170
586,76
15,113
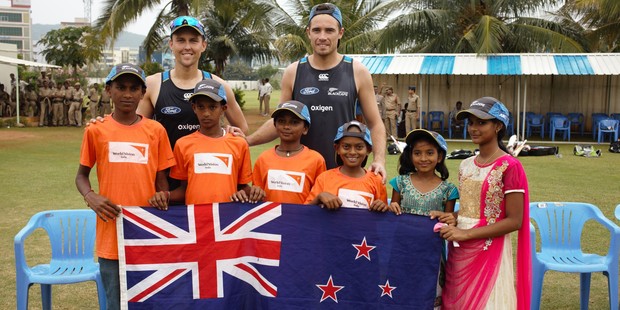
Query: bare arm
x,y
366,95
234,115
512,222
103,207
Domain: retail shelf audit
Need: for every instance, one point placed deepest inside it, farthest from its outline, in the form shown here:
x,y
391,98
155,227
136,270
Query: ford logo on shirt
x,y
309,91
171,110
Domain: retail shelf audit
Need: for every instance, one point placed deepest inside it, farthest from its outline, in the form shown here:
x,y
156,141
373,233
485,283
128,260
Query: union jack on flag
x,y
274,256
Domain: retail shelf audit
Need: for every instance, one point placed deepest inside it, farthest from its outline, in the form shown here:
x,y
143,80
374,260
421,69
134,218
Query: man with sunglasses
x,y
167,93
331,85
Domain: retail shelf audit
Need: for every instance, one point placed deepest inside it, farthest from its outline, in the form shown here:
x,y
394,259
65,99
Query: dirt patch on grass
x,y
12,135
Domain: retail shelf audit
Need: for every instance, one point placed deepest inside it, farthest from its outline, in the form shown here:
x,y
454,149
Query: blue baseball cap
x,y
187,21
296,107
417,133
126,68
210,88
486,108
326,8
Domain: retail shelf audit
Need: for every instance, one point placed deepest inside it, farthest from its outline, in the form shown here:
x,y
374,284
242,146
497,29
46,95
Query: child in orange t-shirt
x,y
350,185
213,166
288,171
131,153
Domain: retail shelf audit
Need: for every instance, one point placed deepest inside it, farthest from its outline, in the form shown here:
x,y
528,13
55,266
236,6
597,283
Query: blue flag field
x,y
276,256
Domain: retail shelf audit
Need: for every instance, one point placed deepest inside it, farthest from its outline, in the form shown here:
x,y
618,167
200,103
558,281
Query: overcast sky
x,y
56,11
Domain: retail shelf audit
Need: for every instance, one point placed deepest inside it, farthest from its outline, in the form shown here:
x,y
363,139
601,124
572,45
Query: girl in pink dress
x,y
494,202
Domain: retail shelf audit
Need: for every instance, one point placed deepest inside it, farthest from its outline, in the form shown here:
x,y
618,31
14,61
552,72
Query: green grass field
x,y
38,166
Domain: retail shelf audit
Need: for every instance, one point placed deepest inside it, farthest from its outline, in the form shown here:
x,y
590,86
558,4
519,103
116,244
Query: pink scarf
x,y
472,268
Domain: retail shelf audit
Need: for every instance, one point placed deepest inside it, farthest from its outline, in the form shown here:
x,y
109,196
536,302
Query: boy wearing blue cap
x,y
131,154
288,171
212,165
350,185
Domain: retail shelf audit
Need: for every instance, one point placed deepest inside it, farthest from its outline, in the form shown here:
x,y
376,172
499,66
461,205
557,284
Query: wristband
x,y
90,191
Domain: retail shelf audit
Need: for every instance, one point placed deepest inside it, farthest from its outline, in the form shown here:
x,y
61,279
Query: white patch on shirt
x,y
128,152
288,181
355,199
217,163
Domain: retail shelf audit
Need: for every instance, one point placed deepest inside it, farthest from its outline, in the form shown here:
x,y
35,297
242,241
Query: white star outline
x,y
363,245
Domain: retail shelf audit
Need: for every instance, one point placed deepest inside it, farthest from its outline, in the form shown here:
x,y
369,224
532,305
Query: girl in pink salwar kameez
x,y
494,201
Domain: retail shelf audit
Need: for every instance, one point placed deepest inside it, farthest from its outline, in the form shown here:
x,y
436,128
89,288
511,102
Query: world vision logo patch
x,y
282,180
217,163
128,152
355,199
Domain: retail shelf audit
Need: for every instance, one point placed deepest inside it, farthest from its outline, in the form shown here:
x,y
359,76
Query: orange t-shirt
x,y
354,192
128,159
287,179
213,167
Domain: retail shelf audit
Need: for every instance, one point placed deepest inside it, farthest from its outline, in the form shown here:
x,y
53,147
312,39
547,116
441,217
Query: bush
x,y
239,94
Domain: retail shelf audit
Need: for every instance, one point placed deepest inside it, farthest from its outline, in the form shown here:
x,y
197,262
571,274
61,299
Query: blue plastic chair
x,y
615,116
72,237
548,117
560,123
560,225
435,117
577,119
607,126
596,118
536,121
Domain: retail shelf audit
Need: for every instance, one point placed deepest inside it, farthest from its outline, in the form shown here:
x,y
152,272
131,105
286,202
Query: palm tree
x,y
238,29
478,26
361,19
117,14
599,21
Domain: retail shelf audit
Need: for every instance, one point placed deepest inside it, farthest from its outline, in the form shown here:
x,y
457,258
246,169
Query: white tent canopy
x,y
17,61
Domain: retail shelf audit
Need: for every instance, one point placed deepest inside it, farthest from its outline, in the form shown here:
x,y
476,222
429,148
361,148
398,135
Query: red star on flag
x,y
329,290
363,249
387,289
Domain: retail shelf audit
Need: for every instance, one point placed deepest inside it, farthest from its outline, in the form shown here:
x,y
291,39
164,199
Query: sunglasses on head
x,y
183,21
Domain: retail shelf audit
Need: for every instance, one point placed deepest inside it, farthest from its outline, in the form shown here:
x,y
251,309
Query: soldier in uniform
x,y
391,102
31,101
58,97
93,96
67,104
45,103
413,105
5,99
105,104
75,106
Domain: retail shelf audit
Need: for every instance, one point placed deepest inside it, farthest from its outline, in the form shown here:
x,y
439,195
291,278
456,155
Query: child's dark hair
x,y
500,136
405,163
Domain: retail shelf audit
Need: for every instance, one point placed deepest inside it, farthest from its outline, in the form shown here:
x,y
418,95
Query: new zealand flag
x,y
276,256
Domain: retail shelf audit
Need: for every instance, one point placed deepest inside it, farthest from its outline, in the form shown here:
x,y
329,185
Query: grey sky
x,y
56,11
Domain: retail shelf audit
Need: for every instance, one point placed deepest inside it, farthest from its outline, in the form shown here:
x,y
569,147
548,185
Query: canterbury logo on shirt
x,y
213,163
289,181
128,152
355,199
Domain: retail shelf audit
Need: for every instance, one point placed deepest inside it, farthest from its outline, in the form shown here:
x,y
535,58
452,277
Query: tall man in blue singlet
x,y
330,84
167,93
